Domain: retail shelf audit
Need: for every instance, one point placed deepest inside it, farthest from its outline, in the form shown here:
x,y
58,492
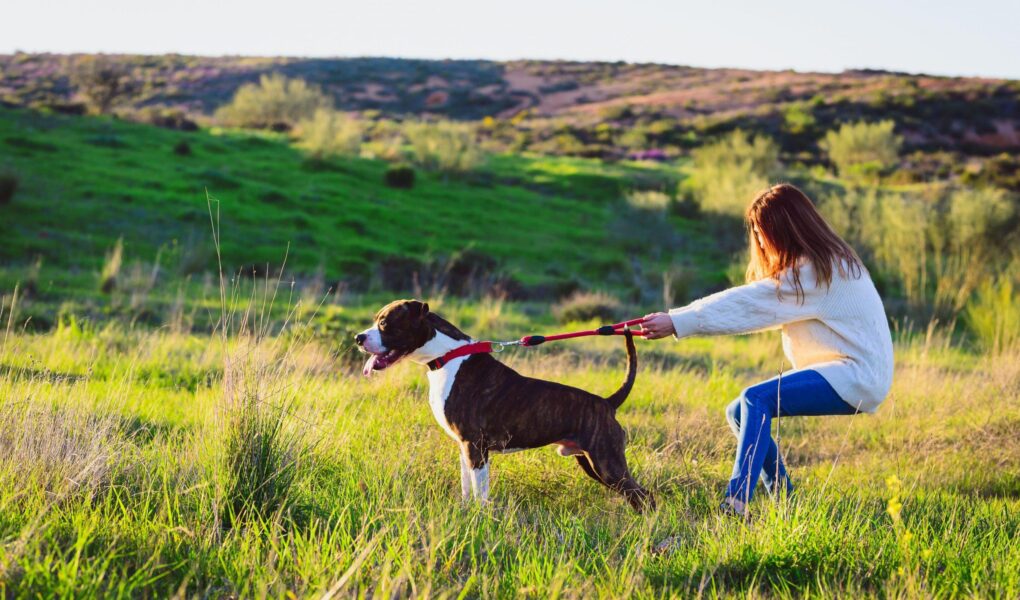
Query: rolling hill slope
x,y
535,226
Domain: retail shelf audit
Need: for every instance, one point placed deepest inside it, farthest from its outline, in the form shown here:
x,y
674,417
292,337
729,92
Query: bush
x,y
994,315
273,102
444,146
649,200
977,220
685,206
182,148
100,82
167,118
399,176
798,119
728,173
329,133
863,150
8,186
587,306
931,250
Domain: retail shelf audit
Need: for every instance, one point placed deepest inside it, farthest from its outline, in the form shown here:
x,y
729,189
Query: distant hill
x,y
673,107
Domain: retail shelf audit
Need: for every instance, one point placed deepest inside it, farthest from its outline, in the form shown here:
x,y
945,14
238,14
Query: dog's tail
x,y
621,394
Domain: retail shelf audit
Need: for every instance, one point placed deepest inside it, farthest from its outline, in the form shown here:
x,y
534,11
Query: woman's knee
x,y
757,397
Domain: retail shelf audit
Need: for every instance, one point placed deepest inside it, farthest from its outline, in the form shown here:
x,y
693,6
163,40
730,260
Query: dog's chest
x,y
440,384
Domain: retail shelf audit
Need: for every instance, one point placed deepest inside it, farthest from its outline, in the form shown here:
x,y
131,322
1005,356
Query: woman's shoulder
x,y
841,268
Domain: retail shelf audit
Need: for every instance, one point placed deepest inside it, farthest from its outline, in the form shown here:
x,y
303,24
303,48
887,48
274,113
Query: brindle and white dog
x,y
488,408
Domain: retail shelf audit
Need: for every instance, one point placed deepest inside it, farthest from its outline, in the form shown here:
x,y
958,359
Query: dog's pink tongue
x,y
369,365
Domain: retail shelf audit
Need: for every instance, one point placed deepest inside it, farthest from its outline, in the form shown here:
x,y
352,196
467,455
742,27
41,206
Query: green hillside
x,y
545,224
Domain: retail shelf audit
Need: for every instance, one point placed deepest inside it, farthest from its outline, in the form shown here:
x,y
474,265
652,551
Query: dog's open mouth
x,y
378,362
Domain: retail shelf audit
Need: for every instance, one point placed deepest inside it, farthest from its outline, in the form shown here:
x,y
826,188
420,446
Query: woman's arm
x,y
743,309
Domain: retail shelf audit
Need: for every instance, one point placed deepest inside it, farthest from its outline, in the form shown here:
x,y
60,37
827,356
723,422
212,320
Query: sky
x,y
974,38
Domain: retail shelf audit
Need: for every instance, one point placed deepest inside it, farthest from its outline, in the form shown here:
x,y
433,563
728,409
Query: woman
x,y
805,279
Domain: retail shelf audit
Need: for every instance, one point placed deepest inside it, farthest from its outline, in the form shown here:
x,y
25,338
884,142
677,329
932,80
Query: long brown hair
x,y
783,226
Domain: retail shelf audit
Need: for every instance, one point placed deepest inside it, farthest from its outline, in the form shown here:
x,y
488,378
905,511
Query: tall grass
x,y
994,315
373,507
933,249
111,267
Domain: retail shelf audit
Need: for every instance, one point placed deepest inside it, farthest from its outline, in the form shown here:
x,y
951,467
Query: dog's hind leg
x,y
610,467
585,465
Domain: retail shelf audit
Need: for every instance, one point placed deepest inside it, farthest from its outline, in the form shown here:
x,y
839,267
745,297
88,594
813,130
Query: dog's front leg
x,y
480,483
465,476
475,460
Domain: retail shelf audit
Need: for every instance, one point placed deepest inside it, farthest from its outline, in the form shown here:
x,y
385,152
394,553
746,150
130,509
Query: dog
x,y
488,408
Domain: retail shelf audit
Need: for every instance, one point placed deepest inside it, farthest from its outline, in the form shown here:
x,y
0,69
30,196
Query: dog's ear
x,y
416,309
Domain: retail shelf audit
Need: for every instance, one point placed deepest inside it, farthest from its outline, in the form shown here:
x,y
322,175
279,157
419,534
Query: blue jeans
x,y
802,393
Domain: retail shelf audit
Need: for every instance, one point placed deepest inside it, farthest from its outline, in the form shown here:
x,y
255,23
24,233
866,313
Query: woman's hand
x,y
658,325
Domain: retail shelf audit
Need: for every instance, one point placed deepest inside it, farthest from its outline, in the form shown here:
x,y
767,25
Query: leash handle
x,y
615,329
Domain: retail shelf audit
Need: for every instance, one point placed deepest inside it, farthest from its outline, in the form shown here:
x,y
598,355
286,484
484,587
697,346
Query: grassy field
x,y
85,183
168,429
114,476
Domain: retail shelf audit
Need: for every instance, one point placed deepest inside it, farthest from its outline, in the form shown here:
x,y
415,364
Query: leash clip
x,y
498,347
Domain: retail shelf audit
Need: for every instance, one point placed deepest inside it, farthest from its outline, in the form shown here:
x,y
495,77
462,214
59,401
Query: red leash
x,y
617,329
532,340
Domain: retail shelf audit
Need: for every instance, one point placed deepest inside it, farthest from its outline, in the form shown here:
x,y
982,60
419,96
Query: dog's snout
x,y
360,339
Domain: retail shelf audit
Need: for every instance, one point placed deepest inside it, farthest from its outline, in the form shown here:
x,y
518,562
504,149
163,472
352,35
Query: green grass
x,y
112,476
85,182
142,454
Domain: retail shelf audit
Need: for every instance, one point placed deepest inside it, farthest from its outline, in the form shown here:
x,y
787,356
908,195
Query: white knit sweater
x,y
840,330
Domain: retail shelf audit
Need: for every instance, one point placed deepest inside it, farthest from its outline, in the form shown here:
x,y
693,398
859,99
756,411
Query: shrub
x,y
274,101
932,250
8,186
994,315
329,133
399,176
587,306
685,206
862,150
650,200
977,219
797,119
100,82
728,173
182,148
167,118
444,146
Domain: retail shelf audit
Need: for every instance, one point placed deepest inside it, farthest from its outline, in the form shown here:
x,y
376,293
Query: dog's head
x,y
400,328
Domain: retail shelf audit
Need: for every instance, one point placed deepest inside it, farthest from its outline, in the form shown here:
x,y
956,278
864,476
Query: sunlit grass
x,y
374,505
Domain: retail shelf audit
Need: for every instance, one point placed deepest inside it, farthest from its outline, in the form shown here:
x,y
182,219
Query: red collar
x,y
465,350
